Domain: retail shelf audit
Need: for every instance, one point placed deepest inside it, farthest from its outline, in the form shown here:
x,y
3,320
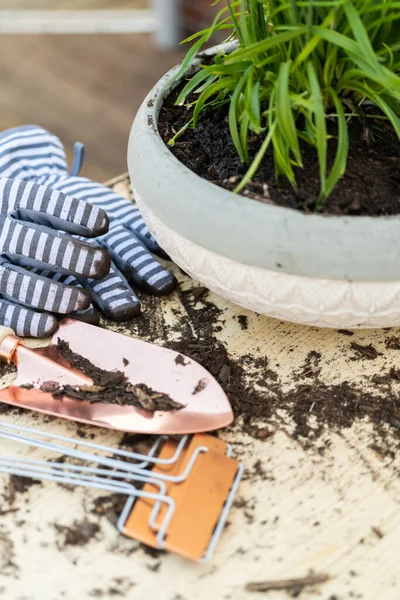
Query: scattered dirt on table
x,y
79,533
393,343
152,552
111,387
296,586
7,557
20,485
370,186
311,368
109,506
6,369
119,588
254,388
335,407
367,352
243,322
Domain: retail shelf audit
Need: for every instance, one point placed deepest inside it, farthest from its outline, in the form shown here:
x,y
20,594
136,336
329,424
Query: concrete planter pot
x,y
318,270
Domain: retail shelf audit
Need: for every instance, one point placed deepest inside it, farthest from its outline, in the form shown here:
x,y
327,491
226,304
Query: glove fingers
x,y
113,296
35,246
113,204
25,322
86,313
135,223
136,262
37,291
46,206
90,315
117,207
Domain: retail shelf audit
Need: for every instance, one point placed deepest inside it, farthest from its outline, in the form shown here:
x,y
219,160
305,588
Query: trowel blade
x,y
206,406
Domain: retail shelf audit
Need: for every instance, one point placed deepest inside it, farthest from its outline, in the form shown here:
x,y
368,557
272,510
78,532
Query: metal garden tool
x,y
180,504
175,395
202,499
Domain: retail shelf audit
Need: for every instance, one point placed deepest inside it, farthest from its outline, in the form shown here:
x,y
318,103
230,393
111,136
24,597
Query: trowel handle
x,y
8,344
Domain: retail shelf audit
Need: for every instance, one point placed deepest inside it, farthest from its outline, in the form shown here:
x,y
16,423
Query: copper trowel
x,y
205,406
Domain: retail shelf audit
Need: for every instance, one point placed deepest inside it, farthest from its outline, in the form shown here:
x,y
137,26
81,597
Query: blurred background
x,y
81,68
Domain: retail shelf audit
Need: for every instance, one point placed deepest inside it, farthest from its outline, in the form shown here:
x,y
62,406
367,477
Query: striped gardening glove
x,y
35,155
32,219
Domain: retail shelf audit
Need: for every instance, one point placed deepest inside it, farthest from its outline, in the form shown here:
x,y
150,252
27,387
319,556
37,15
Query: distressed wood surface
x,y
82,88
330,506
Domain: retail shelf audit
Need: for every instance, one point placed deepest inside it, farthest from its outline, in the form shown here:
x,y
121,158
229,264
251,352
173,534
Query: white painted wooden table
x,y
336,512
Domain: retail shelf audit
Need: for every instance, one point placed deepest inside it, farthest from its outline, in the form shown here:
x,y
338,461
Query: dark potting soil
x,y
111,387
367,352
370,186
19,485
254,388
79,533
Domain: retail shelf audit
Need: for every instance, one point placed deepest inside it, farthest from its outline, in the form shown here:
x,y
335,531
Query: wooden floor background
x,y
81,87
72,4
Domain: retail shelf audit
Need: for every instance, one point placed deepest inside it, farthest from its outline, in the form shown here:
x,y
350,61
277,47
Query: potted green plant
x,y
269,167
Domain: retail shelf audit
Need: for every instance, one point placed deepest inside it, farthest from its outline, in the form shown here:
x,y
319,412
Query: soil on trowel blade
x,y
370,186
111,387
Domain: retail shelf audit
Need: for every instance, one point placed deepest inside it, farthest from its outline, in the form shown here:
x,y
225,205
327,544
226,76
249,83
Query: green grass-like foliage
x,y
297,66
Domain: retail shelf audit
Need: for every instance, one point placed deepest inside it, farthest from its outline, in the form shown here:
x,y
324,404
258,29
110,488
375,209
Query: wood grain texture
x,y
84,88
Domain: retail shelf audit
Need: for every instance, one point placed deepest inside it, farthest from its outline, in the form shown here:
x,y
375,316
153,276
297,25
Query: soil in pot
x,y
370,186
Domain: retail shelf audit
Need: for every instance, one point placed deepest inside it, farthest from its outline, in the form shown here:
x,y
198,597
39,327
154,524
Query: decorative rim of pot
x,y
280,239
303,300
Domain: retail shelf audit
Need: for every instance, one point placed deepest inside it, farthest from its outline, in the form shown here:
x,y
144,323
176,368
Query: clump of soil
x,y
109,506
368,352
20,485
79,533
243,322
6,368
311,368
16,485
111,387
370,186
392,343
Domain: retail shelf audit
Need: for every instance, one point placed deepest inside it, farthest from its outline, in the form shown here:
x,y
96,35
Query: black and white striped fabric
x,y
38,291
112,295
129,241
31,217
28,214
31,153
25,321
36,156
